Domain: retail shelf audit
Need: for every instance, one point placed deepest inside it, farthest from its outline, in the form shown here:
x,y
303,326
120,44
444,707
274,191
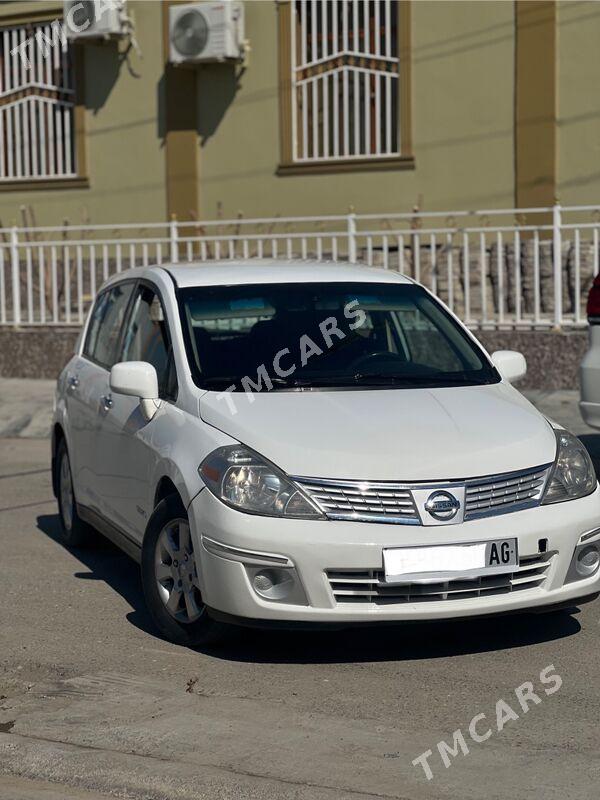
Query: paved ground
x,y
93,704
25,407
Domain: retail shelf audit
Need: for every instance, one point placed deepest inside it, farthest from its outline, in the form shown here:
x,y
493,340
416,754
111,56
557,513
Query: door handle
x,y
73,382
106,402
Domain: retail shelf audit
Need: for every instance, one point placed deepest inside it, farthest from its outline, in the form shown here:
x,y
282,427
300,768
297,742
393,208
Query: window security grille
x,y
345,80
36,104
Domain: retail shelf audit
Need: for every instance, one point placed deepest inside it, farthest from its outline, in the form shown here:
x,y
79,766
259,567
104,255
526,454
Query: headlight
x,y
246,481
573,473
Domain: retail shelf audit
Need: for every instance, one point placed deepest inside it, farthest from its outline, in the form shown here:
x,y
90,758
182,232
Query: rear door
x,y
88,389
127,456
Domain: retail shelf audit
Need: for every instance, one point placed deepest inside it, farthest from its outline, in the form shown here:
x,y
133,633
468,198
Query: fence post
x,y
557,263
16,277
173,235
352,238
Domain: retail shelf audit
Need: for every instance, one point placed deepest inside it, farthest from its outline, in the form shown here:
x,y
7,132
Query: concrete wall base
x,y
35,352
553,358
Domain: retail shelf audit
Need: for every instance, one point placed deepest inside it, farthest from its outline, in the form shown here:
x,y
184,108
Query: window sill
x,y
354,165
44,185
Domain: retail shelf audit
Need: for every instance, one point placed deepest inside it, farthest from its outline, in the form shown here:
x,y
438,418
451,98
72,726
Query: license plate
x,y
449,561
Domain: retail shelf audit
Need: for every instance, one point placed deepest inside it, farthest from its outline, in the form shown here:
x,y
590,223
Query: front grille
x,y
366,586
368,501
500,494
385,501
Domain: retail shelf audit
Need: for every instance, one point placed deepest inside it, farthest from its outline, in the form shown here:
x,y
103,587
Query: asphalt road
x,y
93,704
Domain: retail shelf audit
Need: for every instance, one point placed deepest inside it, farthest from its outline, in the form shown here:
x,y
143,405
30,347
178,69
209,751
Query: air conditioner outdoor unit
x,y
207,31
94,19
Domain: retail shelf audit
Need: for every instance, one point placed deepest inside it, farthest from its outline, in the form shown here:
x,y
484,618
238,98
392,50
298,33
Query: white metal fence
x,y
516,268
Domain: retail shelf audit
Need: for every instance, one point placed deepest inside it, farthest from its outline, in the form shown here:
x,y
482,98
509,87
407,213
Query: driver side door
x,y
88,388
127,453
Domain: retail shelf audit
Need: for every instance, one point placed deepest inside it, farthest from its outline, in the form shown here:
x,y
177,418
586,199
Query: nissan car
x,y
314,444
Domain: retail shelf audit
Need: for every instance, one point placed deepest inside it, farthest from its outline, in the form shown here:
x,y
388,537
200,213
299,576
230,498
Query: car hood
x,y
390,434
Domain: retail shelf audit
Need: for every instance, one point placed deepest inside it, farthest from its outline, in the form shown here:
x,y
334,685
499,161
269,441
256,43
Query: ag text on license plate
x,y
449,561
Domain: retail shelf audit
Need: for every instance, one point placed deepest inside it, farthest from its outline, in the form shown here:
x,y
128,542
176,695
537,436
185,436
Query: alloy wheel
x,y
176,572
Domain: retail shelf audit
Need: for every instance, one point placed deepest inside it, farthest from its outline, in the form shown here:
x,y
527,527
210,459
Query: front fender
x,y
181,442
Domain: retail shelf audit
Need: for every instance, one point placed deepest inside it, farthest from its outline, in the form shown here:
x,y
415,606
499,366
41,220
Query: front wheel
x,y
75,532
170,579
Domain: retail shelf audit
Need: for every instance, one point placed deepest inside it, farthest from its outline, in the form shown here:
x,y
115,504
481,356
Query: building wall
x,y
463,122
463,96
462,55
578,103
125,107
124,139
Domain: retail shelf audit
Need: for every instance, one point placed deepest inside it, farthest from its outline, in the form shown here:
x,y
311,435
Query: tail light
x,y
593,303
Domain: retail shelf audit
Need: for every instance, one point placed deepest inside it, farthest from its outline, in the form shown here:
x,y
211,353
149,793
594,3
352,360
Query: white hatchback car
x,y
283,443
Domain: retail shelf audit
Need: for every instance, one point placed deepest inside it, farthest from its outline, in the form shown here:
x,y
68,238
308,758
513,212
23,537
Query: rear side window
x,y
105,325
147,339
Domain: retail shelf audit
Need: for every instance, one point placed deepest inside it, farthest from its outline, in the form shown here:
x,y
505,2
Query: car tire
x,y
170,579
74,531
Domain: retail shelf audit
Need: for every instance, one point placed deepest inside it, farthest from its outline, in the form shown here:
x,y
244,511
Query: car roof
x,y
232,273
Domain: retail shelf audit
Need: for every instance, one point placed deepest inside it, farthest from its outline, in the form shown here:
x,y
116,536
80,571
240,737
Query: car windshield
x,y
296,336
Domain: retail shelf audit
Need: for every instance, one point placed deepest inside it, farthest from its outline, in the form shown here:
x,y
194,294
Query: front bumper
x,y
319,548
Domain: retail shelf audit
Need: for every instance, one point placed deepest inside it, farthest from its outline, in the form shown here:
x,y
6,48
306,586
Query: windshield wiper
x,y
426,381
220,381
392,379
225,381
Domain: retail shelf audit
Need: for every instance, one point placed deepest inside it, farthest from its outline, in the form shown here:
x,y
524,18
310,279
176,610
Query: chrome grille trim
x,y
366,501
366,586
388,501
501,494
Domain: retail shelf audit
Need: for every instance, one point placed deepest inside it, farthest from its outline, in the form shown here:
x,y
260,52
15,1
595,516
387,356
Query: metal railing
x,y
497,269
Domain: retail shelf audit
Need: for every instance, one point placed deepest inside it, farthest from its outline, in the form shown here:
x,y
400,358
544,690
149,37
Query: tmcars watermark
x,y
76,21
503,714
307,348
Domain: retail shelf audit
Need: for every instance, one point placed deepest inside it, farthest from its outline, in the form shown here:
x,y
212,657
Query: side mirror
x,y
510,364
137,379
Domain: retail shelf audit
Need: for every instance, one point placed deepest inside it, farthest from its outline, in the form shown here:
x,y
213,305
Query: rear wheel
x,y
170,578
75,532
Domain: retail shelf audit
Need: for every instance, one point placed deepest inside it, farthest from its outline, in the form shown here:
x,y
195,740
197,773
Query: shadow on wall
x,y
215,87
103,64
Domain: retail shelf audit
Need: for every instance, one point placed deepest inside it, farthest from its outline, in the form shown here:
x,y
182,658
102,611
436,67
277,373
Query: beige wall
x,y
124,149
463,123
463,54
125,153
578,103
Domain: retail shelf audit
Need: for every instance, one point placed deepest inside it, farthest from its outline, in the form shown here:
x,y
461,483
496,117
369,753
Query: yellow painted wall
x,y
578,103
125,154
463,96
463,55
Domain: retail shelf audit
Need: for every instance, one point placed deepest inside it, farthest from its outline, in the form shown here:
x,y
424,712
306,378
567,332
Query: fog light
x,y
263,582
273,584
585,562
588,559
278,584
